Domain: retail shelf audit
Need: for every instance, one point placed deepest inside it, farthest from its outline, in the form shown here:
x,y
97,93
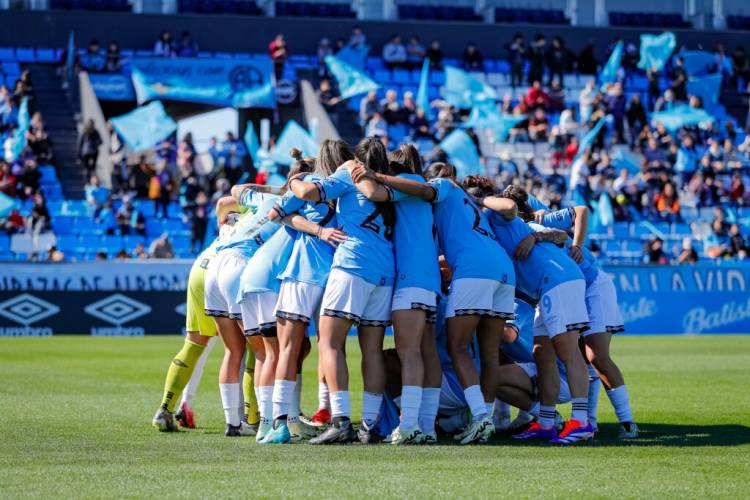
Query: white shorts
x,y
351,297
259,313
416,298
601,304
561,310
483,297
530,369
222,284
298,301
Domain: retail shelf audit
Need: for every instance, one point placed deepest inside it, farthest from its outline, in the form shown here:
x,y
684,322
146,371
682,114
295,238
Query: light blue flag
x,y
351,81
507,122
589,137
655,50
354,56
70,55
293,136
707,88
698,62
423,98
681,116
609,71
19,135
462,90
144,127
625,158
462,153
7,204
605,210
251,142
483,114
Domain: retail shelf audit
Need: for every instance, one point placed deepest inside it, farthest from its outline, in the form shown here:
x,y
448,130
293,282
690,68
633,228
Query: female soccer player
x,y
547,275
605,318
358,290
481,291
414,303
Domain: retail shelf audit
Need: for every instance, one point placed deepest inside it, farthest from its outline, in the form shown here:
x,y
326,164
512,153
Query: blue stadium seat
x,y
6,256
154,227
146,207
67,243
7,54
62,224
25,54
4,243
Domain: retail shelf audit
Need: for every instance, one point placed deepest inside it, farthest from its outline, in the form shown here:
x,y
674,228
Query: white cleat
x,y
405,436
263,429
300,430
478,431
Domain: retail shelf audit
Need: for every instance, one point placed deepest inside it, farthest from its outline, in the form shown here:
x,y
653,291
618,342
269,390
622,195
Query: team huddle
x,y
493,298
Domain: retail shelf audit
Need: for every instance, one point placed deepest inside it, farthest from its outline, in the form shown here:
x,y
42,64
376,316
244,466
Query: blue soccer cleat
x,y
279,434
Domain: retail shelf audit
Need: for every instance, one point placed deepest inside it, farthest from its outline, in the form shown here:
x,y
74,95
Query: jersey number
x,y
478,220
369,223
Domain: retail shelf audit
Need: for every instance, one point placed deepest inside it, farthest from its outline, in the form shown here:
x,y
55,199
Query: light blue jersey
x,y
367,251
416,251
252,229
262,270
546,266
536,204
520,351
466,237
565,220
311,257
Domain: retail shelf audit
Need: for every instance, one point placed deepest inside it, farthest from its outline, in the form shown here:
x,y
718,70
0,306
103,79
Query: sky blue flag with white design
x,y
698,62
354,56
463,90
293,136
251,142
589,137
707,88
7,204
609,71
70,55
351,81
681,116
656,50
423,98
605,210
462,153
19,135
484,114
144,127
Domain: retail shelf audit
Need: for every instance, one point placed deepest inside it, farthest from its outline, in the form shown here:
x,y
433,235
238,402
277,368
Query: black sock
x,y
278,421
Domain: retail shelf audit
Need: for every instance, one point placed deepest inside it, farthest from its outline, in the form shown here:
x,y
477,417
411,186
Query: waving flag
x,y
698,62
351,81
293,136
70,54
354,56
609,71
144,127
251,142
463,90
19,136
462,153
707,88
655,50
681,116
590,136
423,99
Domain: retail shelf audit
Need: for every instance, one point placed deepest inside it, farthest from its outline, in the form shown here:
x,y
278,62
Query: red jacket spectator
x,y
536,96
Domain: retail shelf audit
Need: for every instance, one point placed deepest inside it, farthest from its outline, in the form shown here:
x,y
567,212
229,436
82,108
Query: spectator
x,y
39,220
377,126
357,38
368,106
14,223
415,52
54,255
737,245
667,204
654,252
419,126
164,46
279,51
160,188
586,100
435,55
679,80
537,55
186,154
717,241
100,256
538,126
122,255
234,153
517,58
558,61
199,222
112,58
472,58
7,179
654,154
92,60
329,99
587,63
556,97
96,194
616,104
688,255
187,46
394,53
106,218
324,49
409,107
579,173
139,252
88,147
653,89
536,97
686,162
130,220
161,248
392,110
39,144
568,124
635,116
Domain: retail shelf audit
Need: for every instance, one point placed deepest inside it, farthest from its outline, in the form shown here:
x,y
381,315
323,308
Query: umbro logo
x,y
26,309
117,309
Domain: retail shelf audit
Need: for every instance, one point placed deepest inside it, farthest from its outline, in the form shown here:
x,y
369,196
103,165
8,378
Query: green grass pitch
x,y
75,422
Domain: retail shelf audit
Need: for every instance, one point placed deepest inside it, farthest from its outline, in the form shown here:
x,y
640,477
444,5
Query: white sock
x,y
340,406
324,397
621,403
546,416
595,385
501,411
475,399
580,409
534,410
411,400
283,394
294,408
371,407
230,401
188,393
429,408
265,402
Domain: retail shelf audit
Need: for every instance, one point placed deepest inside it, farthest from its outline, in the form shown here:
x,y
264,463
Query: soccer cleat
x,y
536,431
405,436
367,434
628,430
185,417
300,430
428,438
322,418
164,421
253,428
501,424
244,429
338,433
574,432
559,422
479,431
522,420
263,429
279,434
